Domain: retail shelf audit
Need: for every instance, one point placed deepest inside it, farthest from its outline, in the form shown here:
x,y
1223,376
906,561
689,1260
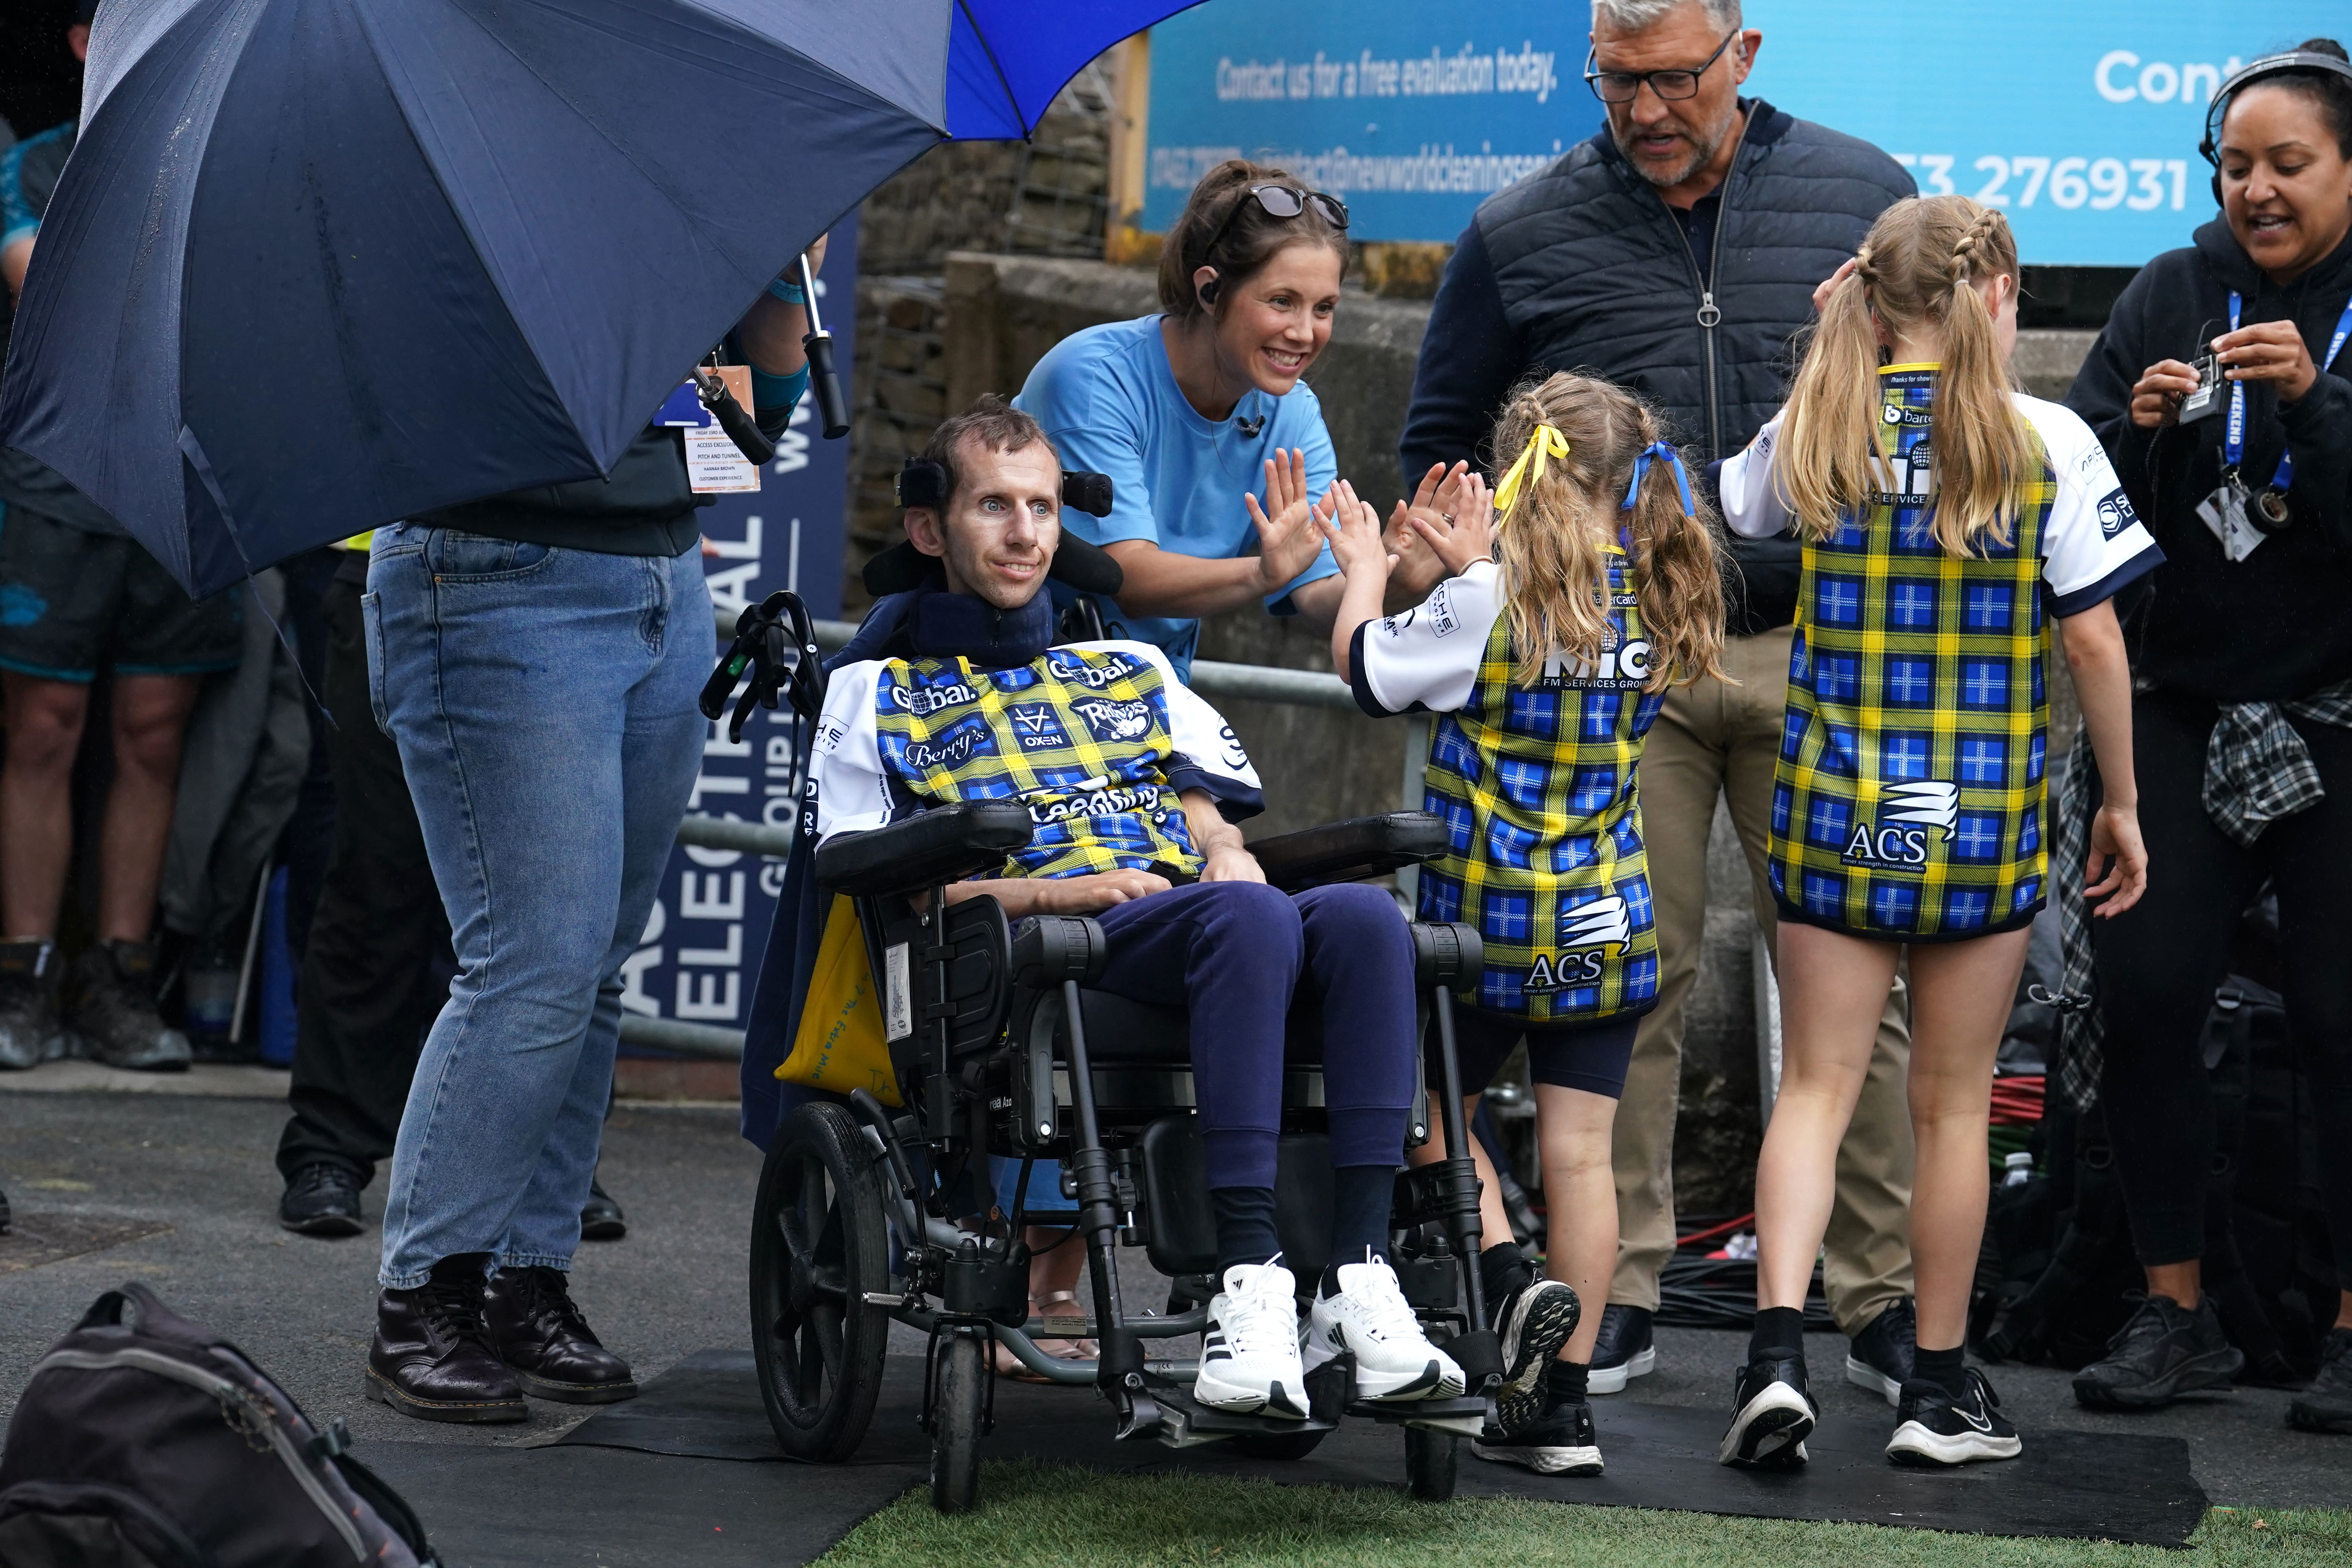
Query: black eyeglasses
x,y
1620,87
1283,202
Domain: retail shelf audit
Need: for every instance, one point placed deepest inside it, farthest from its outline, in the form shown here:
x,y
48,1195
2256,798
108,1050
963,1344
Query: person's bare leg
x,y
1572,1131
150,719
2182,1282
44,728
1960,997
1832,989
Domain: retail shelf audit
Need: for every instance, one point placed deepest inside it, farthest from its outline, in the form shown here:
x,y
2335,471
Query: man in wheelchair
x,y
1133,785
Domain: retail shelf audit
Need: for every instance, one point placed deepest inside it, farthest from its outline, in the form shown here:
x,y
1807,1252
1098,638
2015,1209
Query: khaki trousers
x,y
1712,737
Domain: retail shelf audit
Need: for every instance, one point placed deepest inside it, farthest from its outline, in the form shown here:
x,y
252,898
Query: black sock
x,y
1779,1332
1564,1380
1503,1268
1361,1197
1245,1232
1946,1368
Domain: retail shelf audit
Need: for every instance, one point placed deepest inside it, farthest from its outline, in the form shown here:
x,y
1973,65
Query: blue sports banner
x,y
2079,121
701,947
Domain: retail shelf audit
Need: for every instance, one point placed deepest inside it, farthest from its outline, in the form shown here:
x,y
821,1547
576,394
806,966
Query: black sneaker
x,y
1532,1323
1772,1415
321,1200
2164,1351
601,1218
29,1031
1560,1441
2326,1404
114,1011
1880,1359
1624,1350
1936,1427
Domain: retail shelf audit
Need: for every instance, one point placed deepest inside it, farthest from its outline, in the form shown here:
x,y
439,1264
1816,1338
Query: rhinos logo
x,y
950,751
1899,841
1114,667
1587,935
2115,514
1036,726
924,701
1112,720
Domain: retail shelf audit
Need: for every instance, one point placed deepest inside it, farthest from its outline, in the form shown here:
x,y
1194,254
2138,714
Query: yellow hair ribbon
x,y
1544,443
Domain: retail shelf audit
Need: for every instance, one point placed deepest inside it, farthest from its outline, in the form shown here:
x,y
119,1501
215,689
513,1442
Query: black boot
x,y
2326,1404
321,1200
601,1218
30,1033
114,1012
2164,1350
537,1329
432,1358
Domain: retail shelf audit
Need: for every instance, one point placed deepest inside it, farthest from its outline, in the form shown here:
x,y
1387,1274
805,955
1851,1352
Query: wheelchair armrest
x,y
944,845
1350,851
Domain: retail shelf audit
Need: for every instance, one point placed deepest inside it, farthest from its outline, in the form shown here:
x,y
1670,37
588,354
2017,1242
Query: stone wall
x,y
999,314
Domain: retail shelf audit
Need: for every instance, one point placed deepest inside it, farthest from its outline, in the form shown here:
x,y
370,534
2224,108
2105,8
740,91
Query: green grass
x,y
1034,1513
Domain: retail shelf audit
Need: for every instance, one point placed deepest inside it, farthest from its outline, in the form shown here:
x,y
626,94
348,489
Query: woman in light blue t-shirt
x,y
1221,468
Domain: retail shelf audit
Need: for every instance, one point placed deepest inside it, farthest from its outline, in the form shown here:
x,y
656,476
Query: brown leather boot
x,y
431,1358
537,1329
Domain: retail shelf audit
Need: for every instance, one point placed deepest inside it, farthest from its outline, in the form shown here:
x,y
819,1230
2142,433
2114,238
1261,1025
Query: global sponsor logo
x,y
924,701
1112,720
1114,667
1037,727
951,749
1897,841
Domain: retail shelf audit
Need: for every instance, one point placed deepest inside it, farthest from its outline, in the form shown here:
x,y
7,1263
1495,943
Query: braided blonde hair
x,y
1924,264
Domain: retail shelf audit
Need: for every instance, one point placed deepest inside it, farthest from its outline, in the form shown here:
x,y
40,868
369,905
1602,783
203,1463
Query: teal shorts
x,y
72,603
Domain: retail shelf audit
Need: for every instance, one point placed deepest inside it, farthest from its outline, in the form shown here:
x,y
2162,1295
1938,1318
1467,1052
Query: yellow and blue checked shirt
x,y
1536,786
1908,800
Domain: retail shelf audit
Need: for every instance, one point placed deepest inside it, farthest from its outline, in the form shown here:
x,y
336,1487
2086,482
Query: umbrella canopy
x,y
317,265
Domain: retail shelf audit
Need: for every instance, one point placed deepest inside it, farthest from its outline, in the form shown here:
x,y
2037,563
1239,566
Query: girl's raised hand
x,y
2116,843
1289,535
1354,531
1418,568
1462,532
1827,286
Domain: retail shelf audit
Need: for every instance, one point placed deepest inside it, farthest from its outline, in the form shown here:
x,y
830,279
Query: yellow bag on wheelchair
x,y
839,1044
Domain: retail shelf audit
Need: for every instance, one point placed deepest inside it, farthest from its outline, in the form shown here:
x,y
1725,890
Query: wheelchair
x,y
998,1046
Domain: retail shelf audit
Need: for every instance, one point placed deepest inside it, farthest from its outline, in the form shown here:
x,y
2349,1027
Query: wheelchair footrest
x,y
1465,1416
1180,1421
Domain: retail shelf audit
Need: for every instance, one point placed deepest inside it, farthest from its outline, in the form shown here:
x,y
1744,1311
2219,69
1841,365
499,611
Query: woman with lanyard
x,y
2244,720
1197,411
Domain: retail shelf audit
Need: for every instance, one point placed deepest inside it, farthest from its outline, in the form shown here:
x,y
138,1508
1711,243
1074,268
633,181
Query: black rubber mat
x,y
2092,1486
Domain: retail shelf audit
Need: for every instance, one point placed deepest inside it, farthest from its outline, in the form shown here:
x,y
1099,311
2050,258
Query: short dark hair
x,y
995,424
1250,240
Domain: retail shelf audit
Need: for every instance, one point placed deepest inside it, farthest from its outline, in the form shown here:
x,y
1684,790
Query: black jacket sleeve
x,y
2319,437
1470,358
2102,392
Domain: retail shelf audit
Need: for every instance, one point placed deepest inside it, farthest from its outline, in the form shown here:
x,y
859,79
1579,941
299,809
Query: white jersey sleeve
x,y
1204,752
853,791
1428,658
2094,543
1752,507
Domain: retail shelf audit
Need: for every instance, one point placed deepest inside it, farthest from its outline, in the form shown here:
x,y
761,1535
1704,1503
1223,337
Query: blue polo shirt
x,y
1108,399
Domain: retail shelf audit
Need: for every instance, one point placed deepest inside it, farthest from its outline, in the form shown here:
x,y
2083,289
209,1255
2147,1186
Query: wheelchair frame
x,y
854,1226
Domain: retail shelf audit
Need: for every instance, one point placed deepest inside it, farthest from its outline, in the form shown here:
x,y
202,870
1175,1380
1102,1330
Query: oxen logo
x,y
1114,667
1036,726
951,749
1898,841
924,701
1112,720
1588,934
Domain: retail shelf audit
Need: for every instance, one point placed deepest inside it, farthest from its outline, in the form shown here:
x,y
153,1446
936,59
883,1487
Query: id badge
x,y
2224,513
714,464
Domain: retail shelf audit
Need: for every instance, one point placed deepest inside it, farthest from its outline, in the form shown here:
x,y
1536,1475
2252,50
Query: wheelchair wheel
x,y
1432,1460
1281,1446
819,1243
958,1387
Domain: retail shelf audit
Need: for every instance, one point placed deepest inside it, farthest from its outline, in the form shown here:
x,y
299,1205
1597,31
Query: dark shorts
x,y
1590,1057
72,603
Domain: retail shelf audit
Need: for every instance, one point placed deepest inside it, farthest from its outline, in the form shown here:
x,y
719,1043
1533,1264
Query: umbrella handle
x,y
832,403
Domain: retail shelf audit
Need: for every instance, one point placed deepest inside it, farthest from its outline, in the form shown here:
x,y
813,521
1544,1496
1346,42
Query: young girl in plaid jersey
x,y
1548,658
1942,513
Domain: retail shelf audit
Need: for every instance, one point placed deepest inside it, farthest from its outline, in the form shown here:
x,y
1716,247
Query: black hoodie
x,y
2277,625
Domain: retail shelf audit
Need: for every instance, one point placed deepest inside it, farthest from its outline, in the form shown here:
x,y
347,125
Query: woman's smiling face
x,y
1276,321
2287,187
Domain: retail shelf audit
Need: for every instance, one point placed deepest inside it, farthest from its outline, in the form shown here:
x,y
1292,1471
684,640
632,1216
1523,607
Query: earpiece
x,y
1208,292
925,484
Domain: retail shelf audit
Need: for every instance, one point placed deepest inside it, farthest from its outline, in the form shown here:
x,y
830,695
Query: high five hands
x,y
1290,525
1439,496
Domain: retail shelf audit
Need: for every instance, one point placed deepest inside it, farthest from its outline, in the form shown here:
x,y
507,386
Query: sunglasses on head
x,y
1281,202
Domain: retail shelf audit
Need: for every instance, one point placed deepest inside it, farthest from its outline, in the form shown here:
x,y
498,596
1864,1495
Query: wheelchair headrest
x,y
1088,568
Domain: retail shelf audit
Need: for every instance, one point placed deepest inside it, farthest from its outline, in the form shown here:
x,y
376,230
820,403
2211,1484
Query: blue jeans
x,y
543,702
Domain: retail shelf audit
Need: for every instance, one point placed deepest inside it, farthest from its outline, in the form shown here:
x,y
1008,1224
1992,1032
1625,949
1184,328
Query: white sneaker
x,y
1249,1356
1370,1320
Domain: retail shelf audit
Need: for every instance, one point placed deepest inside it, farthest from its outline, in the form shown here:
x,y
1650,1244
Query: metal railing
x,y
1211,677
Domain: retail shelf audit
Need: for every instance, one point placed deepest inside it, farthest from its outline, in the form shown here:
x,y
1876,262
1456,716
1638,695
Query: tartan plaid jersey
x,y
1536,786
1096,739
1908,799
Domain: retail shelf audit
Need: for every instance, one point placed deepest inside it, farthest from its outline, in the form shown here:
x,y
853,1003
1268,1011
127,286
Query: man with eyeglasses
x,y
1676,252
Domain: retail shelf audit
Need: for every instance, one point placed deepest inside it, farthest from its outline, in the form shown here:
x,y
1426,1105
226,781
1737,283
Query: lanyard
x,y
2233,436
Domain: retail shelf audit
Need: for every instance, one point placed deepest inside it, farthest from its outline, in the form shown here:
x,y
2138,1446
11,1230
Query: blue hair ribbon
x,y
1664,452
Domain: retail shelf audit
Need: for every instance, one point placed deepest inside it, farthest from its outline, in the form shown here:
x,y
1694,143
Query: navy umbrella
x,y
316,264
